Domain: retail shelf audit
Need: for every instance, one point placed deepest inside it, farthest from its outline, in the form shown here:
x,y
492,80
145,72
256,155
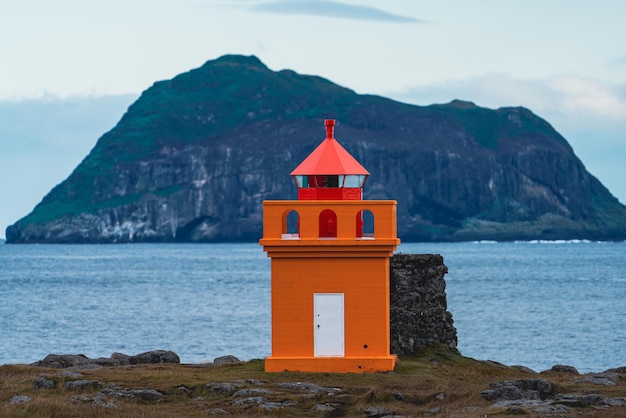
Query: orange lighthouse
x,y
330,280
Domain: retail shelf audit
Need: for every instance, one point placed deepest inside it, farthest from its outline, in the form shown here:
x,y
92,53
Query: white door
x,y
328,323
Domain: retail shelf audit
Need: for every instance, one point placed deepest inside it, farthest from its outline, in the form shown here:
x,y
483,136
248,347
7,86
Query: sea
x,y
531,303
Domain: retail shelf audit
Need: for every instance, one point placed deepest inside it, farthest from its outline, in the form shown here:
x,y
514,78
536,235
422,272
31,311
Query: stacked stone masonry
x,y
418,304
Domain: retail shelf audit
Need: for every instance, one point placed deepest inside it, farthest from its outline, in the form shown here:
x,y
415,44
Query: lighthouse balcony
x,y
347,222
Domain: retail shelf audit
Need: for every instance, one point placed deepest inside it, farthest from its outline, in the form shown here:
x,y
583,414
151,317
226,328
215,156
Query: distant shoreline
x,y
486,241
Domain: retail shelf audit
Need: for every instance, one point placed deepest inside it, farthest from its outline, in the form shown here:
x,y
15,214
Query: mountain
x,y
194,157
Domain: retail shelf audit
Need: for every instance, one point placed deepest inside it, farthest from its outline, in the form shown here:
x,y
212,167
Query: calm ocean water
x,y
530,303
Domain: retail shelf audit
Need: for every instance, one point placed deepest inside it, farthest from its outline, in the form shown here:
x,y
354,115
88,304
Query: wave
x,y
542,241
556,241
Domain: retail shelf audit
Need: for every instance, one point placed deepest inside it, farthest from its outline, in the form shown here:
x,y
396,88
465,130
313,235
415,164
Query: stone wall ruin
x,y
418,304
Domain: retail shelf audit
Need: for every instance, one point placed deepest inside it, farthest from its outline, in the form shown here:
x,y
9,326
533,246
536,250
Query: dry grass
x,y
435,383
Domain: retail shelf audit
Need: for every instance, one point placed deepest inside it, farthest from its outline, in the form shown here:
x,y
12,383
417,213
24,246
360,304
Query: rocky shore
x,y
434,383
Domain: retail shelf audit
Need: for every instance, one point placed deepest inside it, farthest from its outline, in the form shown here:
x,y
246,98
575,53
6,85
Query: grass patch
x,y
511,412
487,125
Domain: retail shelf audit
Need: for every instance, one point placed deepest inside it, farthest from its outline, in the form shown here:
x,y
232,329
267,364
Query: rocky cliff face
x,y
194,157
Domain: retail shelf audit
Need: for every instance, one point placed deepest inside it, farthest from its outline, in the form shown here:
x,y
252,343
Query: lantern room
x,y
330,172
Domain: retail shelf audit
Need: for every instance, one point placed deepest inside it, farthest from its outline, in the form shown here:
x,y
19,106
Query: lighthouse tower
x,y
330,281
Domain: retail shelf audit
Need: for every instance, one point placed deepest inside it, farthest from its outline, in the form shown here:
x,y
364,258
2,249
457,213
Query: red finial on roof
x,y
330,128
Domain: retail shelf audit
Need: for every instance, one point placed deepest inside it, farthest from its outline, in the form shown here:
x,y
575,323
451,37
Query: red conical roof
x,y
329,158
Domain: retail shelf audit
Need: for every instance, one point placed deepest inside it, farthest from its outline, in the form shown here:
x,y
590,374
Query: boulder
x,y
614,401
42,382
82,385
80,361
156,356
220,361
246,393
223,388
529,389
378,412
596,380
272,406
249,401
62,361
18,399
564,369
580,400
307,387
619,370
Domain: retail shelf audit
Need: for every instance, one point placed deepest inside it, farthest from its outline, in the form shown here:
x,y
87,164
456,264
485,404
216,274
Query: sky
x,y
71,68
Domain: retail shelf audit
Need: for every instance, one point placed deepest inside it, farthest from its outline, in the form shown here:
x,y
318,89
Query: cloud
x,y
619,62
329,8
583,101
589,96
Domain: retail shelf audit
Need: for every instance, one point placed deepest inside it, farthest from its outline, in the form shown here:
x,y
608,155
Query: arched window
x,y
328,224
291,225
365,224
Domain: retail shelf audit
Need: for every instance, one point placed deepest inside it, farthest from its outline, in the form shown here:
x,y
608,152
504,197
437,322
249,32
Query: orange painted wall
x,y
365,285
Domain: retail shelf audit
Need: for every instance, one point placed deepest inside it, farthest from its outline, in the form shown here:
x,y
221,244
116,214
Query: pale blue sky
x,y
71,68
